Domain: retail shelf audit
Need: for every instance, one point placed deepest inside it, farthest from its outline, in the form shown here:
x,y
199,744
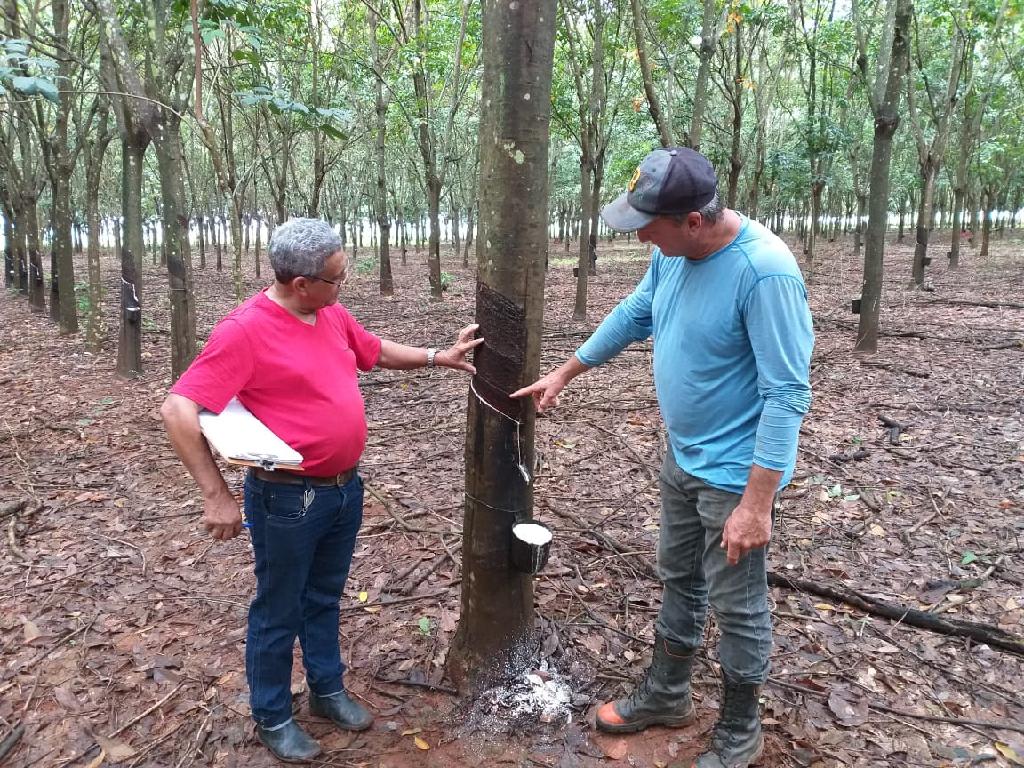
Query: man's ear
x,y
694,219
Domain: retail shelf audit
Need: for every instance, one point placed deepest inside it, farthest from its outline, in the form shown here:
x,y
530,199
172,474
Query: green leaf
x,y
424,625
248,56
16,46
36,86
968,558
334,133
835,491
212,34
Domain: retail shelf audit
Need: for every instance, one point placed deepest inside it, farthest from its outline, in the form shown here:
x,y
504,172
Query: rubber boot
x,y
661,698
737,741
342,710
289,743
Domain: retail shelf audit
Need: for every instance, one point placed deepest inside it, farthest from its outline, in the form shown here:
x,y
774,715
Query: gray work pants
x,y
694,572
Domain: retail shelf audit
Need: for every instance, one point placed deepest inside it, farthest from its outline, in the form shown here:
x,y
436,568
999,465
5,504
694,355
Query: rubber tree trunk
x,y
36,282
887,120
387,281
496,635
987,213
20,247
62,283
10,273
736,102
924,219
93,174
167,144
201,238
817,187
434,238
708,46
60,165
653,102
469,237
129,340
579,309
971,123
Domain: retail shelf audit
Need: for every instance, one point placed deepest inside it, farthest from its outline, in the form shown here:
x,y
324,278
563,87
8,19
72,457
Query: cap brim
x,y
623,217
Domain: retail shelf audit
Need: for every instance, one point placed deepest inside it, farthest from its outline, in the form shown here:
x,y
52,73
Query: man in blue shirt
x,y
725,302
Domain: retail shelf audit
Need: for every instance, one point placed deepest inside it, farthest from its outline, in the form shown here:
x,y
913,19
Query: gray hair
x,y
301,247
711,212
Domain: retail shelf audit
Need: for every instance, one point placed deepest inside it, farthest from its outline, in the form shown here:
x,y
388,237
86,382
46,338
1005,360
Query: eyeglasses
x,y
341,280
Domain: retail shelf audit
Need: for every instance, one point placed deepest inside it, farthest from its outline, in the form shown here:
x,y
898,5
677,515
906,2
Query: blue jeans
x,y
302,540
694,572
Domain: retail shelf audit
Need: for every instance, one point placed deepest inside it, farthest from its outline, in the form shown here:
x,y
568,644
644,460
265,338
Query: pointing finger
x,y
529,390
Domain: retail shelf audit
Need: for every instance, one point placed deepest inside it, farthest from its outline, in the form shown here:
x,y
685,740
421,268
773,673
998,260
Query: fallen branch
x,y
402,522
154,708
898,369
611,544
12,539
12,508
981,633
417,684
200,738
895,428
999,725
418,578
11,740
393,601
989,304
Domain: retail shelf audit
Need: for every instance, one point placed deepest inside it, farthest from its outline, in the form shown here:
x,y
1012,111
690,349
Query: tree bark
x,y
95,150
708,43
36,281
387,281
469,237
579,309
175,235
736,102
987,212
60,163
930,154
653,102
887,119
10,272
129,342
496,637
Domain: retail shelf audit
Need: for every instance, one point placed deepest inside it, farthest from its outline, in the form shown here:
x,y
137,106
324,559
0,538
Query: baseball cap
x,y
671,180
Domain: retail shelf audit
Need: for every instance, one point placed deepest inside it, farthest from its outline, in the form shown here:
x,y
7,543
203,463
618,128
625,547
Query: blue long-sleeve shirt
x,y
732,349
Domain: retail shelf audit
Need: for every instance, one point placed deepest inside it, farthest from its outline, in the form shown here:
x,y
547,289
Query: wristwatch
x,y
431,354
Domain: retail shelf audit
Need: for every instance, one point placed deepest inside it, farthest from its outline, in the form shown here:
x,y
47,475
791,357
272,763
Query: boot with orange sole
x,y
661,698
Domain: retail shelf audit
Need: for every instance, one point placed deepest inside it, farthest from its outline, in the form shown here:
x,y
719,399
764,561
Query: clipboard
x,y
243,439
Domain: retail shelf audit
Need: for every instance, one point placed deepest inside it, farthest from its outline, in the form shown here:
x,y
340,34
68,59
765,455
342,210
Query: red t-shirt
x,y
298,379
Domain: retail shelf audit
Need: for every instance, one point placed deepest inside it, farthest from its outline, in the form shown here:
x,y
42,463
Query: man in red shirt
x,y
290,355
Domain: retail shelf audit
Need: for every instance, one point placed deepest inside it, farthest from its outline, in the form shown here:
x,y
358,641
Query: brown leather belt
x,y
295,478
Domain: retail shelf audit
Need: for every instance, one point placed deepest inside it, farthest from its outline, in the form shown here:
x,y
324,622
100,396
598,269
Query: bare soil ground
x,y
123,624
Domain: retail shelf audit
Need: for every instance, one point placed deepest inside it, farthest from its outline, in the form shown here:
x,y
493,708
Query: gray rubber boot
x,y
661,698
737,741
289,743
